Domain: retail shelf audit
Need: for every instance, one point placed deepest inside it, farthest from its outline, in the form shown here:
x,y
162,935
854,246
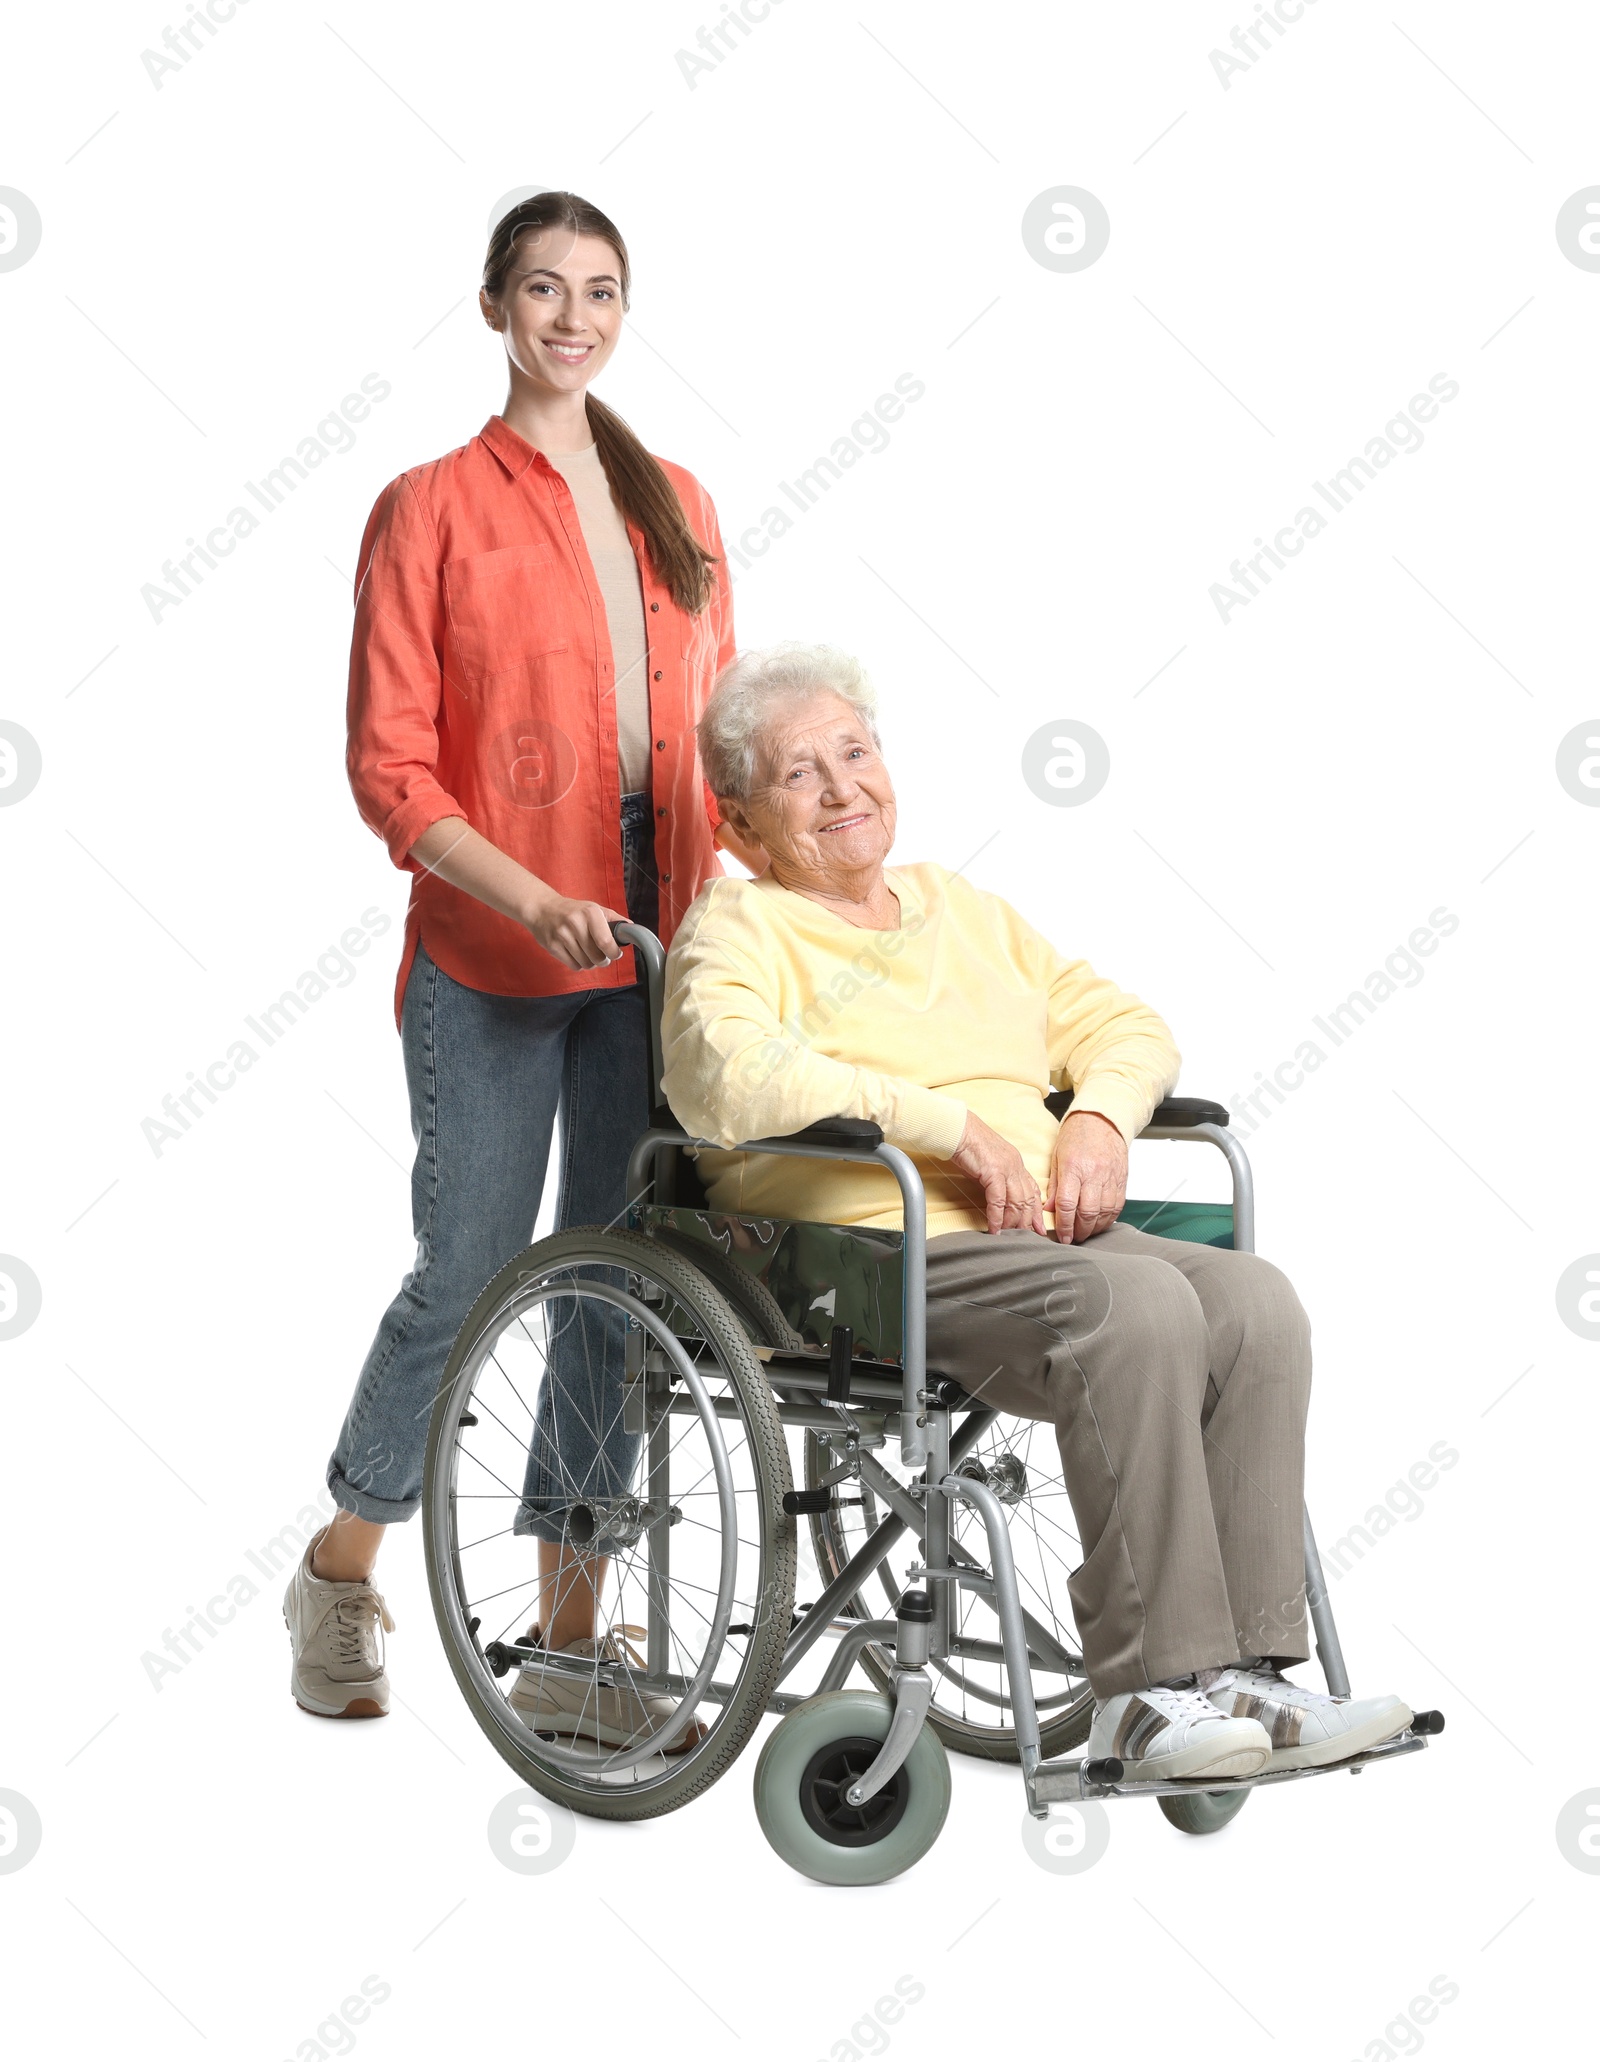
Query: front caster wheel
x,y
809,1762
1207,1811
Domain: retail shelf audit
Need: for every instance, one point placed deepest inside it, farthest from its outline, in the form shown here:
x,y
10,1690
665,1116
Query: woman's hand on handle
x,y
1010,1194
578,934
1088,1176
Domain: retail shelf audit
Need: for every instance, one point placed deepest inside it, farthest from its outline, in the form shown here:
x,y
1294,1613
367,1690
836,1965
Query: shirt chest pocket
x,y
505,608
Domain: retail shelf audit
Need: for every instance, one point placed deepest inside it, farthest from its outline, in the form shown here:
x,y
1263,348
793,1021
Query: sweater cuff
x,y
1127,1108
927,1122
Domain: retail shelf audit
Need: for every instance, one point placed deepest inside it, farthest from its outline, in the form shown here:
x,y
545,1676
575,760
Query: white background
x,y
837,203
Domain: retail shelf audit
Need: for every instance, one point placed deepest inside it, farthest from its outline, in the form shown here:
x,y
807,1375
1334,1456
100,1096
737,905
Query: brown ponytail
x,y
640,488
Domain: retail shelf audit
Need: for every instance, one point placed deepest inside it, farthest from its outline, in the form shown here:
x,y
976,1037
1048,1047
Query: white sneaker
x,y
1161,1735
337,1666
1308,1728
615,1715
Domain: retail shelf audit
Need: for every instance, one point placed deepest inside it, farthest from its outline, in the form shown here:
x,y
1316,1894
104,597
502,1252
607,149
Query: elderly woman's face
x,y
822,803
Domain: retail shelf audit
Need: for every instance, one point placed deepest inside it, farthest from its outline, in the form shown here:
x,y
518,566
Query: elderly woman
x,y
1176,1375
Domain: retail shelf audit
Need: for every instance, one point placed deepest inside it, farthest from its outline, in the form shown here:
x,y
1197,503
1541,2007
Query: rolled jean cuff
x,y
377,1510
532,1523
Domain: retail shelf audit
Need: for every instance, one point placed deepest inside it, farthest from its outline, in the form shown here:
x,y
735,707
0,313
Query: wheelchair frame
x,y
919,1417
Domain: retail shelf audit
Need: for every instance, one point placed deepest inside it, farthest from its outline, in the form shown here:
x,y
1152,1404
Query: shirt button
x,y
666,877
661,743
655,608
655,676
661,811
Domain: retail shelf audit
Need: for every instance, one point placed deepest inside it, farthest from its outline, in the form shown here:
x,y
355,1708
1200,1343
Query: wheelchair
x,y
702,1361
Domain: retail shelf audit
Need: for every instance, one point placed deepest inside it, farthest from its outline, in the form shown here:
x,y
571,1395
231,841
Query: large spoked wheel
x,y
1208,1811
971,1713
808,1764
602,1397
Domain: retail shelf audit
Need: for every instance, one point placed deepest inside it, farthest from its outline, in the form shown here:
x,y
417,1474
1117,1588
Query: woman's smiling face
x,y
561,311
822,803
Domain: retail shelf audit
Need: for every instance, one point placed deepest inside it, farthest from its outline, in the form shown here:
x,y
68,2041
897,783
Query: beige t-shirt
x,y
617,570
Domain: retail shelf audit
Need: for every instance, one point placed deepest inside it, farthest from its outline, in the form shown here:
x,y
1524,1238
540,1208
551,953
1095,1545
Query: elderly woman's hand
x,y
1010,1194
1088,1176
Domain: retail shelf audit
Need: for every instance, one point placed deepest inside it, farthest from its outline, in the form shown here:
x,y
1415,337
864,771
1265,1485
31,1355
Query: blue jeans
x,y
487,1075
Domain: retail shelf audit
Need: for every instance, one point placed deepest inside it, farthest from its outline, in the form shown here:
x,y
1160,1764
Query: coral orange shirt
x,y
482,685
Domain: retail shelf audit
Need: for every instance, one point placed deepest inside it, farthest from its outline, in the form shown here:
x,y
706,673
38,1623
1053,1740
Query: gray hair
x,y
748,691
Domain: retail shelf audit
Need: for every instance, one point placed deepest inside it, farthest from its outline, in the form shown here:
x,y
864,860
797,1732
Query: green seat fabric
x,y
1204,1224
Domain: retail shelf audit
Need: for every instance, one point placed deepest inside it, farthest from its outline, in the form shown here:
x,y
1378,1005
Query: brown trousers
x,y
1177,1377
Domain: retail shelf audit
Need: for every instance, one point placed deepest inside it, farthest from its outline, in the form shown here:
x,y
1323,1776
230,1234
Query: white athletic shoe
x,y
337,1666
615,1715
1162,1735
1308,1729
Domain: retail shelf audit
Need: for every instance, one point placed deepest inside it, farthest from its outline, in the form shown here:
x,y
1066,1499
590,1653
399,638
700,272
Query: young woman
x,y
539,618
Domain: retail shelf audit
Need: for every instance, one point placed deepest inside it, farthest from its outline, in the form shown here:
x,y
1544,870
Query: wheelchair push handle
x,y
648,950
644,942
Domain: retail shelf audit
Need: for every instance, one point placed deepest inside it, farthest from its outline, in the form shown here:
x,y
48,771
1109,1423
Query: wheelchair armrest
x,y
830,1131
1183,1112
1177,1113
827,1131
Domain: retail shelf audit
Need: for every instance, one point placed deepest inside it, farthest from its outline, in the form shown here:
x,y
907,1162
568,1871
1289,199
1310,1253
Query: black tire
x,y
1207,1811
670,1287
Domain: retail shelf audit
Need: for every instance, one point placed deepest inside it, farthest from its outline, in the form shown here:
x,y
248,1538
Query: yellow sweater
x,y
779,1013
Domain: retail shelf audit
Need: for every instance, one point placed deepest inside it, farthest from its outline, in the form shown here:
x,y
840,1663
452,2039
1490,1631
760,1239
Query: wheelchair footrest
x,y
1066,1782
